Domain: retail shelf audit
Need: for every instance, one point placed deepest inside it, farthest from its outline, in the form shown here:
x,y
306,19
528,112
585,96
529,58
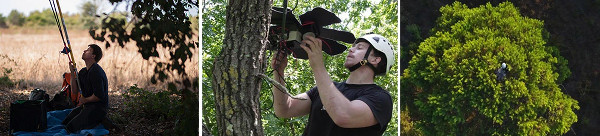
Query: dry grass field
x,y
35,60
38,63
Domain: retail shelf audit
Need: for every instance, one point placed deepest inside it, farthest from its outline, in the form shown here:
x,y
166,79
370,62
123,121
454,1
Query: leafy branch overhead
x,y
158,26
154,23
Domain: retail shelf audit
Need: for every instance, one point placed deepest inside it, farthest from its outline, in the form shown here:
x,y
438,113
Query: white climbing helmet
x,y
381,44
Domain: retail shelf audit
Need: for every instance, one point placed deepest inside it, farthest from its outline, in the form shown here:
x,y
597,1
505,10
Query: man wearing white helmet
x,y
354,107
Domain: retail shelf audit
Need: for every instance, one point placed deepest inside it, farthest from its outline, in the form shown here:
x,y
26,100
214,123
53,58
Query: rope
x,y
66,49
66,34
53,7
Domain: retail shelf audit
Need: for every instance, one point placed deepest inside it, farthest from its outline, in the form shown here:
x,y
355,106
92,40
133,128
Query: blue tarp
x,y
55,128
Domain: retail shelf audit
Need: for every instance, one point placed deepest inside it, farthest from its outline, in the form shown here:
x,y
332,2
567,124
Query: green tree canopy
x,y
451,81
16,18
89,10
41,18
3,21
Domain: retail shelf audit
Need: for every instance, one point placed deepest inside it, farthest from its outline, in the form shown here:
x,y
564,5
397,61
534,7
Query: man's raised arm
x,y
284,105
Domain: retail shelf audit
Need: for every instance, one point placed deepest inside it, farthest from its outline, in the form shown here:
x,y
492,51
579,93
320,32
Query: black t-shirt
x,y
379,100
93,81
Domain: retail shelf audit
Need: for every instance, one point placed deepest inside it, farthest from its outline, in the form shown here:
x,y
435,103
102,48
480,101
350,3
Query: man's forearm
x,y
334,102
280,100
74,85
89,99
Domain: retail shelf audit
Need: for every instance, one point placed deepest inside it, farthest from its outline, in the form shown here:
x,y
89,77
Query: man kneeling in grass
x,y
93,99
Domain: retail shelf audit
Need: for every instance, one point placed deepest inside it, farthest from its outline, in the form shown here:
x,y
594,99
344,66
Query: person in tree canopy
x,y
93,99
356,106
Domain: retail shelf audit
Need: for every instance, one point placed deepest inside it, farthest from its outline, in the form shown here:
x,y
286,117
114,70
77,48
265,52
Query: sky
x,y
67,6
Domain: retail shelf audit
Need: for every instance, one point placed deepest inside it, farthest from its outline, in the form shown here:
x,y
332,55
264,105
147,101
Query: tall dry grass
x,y
38,63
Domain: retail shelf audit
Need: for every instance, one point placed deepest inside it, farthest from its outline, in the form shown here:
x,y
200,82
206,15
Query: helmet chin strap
x,y
363,62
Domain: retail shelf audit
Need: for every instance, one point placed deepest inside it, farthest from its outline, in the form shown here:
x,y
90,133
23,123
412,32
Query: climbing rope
x,y
67,46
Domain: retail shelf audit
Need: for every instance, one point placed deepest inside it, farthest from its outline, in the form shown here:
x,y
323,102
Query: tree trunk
x,y
236,86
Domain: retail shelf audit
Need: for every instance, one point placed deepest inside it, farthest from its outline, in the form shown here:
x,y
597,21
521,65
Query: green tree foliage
x,y
414,32
6,70
41,18
299,78
213,33
89,10
74,21
408,126
5,81
161,25
452,83
16,18
3,21
160,105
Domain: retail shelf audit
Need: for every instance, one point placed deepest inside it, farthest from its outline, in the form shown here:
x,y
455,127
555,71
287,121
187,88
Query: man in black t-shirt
x,y
93,97
354,107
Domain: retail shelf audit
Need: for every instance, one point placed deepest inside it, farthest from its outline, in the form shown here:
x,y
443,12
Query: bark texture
x,y
236,86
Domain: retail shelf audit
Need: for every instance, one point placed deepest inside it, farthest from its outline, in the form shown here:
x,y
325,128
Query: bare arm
x,y
92,98
284,105
343,112
74,85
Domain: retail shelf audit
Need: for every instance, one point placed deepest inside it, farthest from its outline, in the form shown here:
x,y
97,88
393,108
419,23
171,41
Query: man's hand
x,y
313,48
279,62
71,67
73,70
81,100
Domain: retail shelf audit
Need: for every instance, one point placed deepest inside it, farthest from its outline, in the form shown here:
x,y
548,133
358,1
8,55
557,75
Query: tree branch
x,y
205,131
279,86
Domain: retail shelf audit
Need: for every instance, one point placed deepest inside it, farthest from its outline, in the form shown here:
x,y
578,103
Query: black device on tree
x,y
311,23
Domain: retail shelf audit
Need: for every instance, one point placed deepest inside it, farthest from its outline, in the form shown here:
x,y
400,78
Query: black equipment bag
x,y
28,115
38,94
64,99
61,101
